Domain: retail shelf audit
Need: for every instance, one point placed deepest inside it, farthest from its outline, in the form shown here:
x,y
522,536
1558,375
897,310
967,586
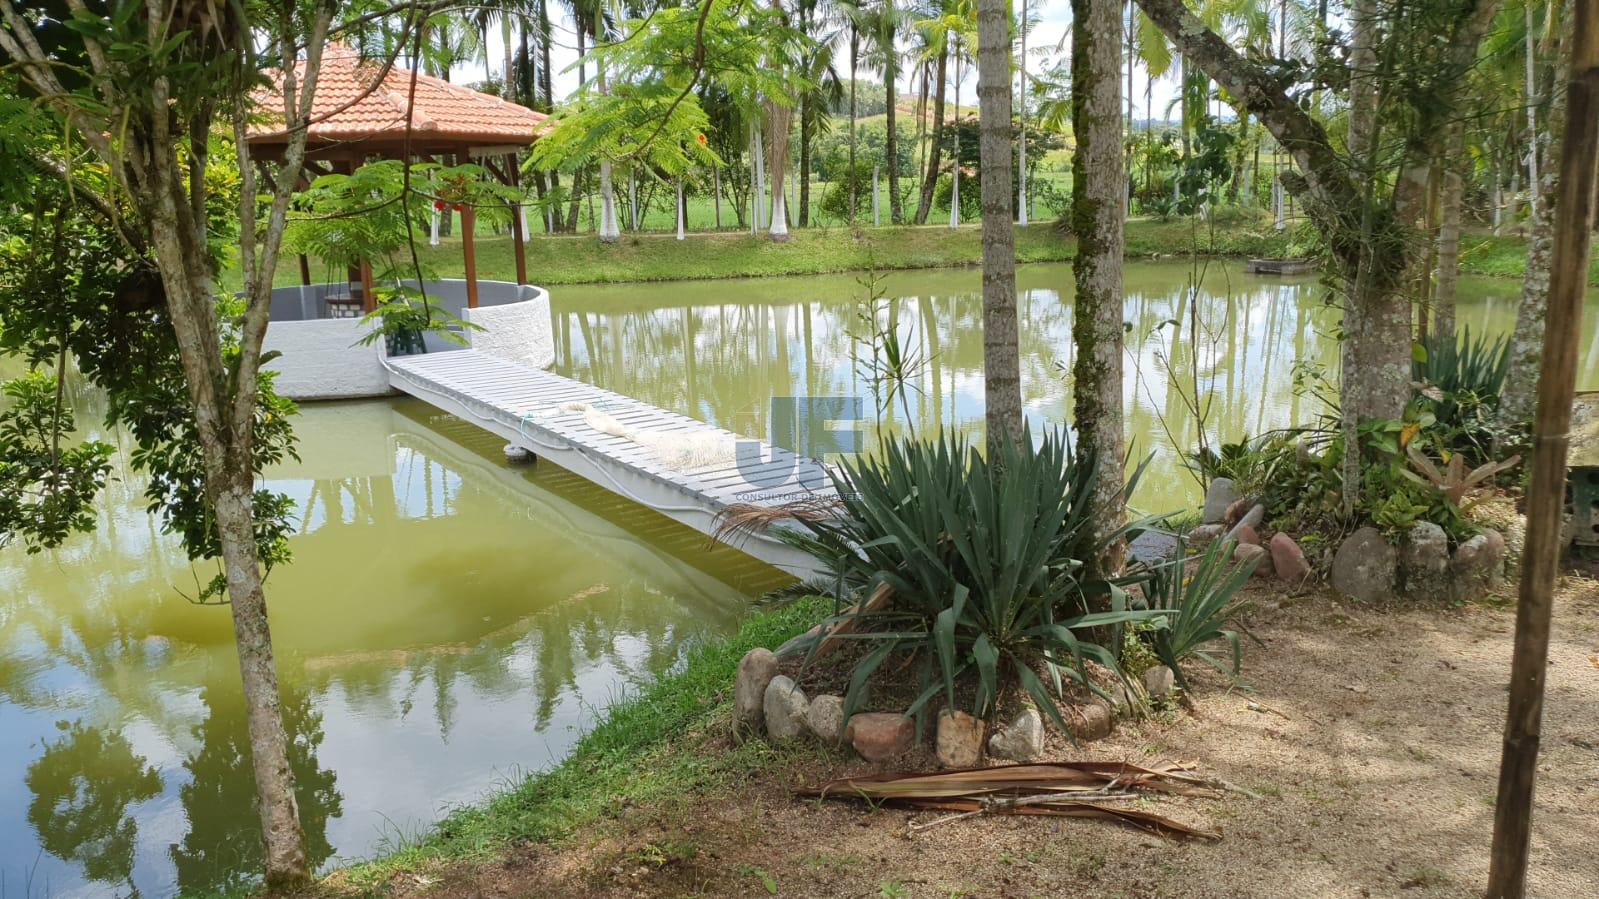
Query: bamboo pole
x,y
1507,874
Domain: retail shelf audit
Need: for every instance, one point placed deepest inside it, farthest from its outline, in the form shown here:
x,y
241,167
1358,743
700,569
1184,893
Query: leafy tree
x,y
138,90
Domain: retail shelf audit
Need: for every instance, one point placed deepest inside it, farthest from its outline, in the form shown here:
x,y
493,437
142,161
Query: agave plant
x,y
1197,609
977,552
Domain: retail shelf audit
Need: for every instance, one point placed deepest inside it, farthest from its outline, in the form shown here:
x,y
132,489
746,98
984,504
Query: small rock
x,y
755,672
1249,553
1288,560
1159,681
1218,496
1022,740
1246,534
826,719
1205,534
1095,723
880,736
1425,562
960,739
786,708
1236,511
1251,520
1365,566
1478,566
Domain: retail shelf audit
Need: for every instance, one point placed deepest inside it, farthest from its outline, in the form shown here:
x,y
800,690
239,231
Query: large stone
x,y
1478,566
786,707
1218,496
755,672
880,736
1205,534
826,719
1365,566
1250,553
1288,560
1425,562
959,739
1159,681
1022,740
1095,722
1246,534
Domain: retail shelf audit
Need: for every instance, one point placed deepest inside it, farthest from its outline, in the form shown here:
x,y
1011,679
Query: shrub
x,y
1199,607
1460,384
978,553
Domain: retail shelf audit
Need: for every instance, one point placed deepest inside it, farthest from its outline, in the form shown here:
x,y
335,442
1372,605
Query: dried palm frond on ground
x,y
745,519
1066,789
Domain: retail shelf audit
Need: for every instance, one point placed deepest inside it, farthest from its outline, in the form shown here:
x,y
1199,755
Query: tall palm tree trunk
x,y
924,205
1002,393
1098,219
896,206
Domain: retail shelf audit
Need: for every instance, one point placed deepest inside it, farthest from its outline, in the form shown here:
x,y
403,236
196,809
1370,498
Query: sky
x,y
1045,43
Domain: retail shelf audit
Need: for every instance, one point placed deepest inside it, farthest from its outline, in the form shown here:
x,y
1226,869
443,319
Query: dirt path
x,y
1378,776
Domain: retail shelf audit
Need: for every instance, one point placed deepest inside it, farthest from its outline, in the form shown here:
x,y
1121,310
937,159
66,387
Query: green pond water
x,y
450,622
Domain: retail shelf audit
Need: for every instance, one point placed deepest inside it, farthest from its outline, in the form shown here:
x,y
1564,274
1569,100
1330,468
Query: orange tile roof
x,y
350,107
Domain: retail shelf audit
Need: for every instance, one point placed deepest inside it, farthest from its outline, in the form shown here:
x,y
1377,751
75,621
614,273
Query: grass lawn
x,y
658,256
582,259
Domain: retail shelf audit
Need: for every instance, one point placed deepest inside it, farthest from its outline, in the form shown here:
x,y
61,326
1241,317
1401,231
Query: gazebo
x,y
360,112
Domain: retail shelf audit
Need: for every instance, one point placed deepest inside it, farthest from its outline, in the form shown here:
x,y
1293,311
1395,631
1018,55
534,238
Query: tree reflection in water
x,y
84,786
223,849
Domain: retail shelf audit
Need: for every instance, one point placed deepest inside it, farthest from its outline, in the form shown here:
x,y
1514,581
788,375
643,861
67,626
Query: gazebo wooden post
x,y
468,250
518,239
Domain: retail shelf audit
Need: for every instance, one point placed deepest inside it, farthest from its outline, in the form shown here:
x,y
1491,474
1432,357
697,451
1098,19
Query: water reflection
x,y
447,623
1221,359
223,845
84,785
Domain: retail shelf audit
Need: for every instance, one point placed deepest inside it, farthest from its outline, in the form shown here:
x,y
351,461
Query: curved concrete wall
x,y
322,357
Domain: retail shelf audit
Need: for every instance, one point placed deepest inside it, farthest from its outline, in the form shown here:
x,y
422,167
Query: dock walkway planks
x,y
525,406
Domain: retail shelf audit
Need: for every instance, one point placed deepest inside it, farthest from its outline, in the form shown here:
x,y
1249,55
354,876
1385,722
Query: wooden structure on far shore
x,y
363,110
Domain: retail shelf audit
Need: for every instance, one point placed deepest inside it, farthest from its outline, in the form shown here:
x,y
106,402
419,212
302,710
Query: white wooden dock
x,y
542,412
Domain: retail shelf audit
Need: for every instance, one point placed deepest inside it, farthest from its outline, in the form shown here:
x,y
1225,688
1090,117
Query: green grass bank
x,y
641,751
582,259
654,256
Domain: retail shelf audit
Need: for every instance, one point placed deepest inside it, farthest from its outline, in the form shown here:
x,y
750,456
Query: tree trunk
x,y
778,118
854,62
269,753
1001,364
924,205
1450,199
896,206
1021,146
955,171
1098,220
1527,340
807,111
609,232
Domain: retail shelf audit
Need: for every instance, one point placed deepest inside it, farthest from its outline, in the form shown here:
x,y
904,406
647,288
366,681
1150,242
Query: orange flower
x,y
700,138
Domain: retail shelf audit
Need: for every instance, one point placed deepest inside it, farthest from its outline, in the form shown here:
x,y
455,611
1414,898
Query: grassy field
x,y
655,256
581,259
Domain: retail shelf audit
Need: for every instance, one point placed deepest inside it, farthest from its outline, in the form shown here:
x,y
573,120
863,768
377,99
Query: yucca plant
x,y
977,552
1197,609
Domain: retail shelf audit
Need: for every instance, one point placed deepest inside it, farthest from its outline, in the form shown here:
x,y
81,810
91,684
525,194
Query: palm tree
x,y
884,24
1099,214
1001,363
934,32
